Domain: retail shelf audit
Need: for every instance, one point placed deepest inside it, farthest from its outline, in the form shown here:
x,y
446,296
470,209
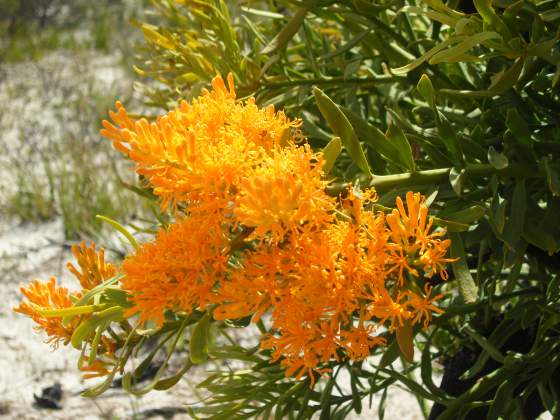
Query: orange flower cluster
x,y
256,233
94,268
330,287
200,151
45,296
178,270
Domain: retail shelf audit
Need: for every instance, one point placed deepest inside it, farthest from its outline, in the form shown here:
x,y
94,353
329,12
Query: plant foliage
x,y
456,100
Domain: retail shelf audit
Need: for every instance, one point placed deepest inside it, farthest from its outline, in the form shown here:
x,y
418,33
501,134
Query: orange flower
x,y
46,295
359,341
94,270
415,243
386,309
96,369
199,151
178,270
422,307
284,193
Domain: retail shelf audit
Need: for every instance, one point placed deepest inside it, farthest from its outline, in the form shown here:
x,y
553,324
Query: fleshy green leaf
x,y
375,138
456,179
342,128
426,89
287,33
452,53
390,355
467,286
496,159
396,136
200,338
552,179
330,153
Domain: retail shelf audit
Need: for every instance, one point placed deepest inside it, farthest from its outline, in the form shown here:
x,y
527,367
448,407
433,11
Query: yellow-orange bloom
x,y
199,151
176,271
94,269
96,369
358,341
47,295
284,193
415,242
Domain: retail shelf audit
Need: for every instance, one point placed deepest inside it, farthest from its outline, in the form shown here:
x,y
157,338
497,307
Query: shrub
x,y
456,101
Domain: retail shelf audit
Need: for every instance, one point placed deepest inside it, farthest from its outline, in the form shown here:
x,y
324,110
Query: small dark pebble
x,y
50,397
148,373
167,413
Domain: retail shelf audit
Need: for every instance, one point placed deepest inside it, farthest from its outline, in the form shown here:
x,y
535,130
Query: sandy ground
x,y
31,92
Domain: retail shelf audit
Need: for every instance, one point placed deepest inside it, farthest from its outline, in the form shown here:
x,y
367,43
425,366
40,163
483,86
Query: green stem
x,y
332,81
438,176
483,385
457,310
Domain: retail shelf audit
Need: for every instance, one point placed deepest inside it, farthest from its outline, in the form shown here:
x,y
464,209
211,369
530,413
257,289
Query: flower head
x,y
44,296
94,269
283,193
200,150
176,271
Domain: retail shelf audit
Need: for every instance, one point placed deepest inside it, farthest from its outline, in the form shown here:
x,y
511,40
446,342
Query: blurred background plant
x,y
457,100
62,65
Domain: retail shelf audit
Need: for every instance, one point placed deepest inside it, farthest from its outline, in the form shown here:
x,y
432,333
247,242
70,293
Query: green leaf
x,y
451,54
506,79
119,228
417,62
521,133
413,386
390,355
356,396
501,402
381,407
85,329
330,153
448,136
456,179
537,235
426,371
501,334
496,159
485,344
397,137
462,219
166,383
326,399
498,213
375,138
467,287
426,89
406,342
127,380
469,215
200,338
514,228
348,46
551,177
486,11
287,33
342,128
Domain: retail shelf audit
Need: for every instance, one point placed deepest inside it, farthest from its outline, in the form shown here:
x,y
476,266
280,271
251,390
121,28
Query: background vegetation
x,y
62,65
